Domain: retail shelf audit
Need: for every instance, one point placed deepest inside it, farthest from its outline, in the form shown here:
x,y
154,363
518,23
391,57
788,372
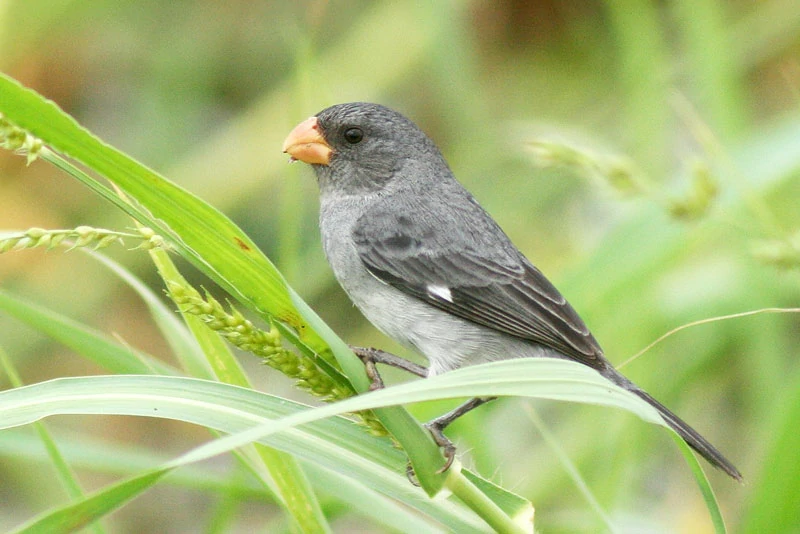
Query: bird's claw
x,y
367,357
448,449
411,475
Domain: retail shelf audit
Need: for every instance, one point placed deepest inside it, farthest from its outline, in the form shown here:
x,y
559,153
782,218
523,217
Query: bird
x,y
430,268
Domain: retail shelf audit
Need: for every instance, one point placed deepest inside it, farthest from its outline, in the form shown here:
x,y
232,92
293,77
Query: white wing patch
x,y
441,292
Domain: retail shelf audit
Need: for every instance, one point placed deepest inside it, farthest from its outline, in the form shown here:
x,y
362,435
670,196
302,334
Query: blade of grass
x,y
286,474
62,468
337,444
183,345
88,454
570,468
103,351
214,244
95,505
705,486
542,378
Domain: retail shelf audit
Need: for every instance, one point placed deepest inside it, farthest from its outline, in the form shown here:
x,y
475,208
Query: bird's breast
x,y
447,341
383,305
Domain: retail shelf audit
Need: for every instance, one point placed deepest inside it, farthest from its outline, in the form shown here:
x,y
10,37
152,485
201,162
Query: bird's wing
x,y
478,276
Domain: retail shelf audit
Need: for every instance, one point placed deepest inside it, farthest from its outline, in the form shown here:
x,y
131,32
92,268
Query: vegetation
x,y
646,158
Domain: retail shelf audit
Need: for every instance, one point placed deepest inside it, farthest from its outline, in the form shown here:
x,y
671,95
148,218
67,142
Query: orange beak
x,y
305,143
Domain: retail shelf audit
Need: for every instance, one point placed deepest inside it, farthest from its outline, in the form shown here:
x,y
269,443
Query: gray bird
x,y
429,267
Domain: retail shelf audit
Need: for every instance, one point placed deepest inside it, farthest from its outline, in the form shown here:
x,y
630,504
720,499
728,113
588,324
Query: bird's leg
x,y
436,428
370,356
387,358
365,355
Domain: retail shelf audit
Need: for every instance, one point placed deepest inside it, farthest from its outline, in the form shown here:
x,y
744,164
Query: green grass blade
x,y
60,465
335,444
213,404
285,473
704,485
93,345
540,378
94,506
92,455
357,497
208,238
570,468
180,340
213,243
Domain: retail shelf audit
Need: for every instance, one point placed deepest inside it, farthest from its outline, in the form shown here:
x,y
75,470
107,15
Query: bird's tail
x,y
686,432
691,436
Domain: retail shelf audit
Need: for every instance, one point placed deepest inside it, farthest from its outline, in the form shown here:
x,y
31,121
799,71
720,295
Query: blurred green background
x,y
674,94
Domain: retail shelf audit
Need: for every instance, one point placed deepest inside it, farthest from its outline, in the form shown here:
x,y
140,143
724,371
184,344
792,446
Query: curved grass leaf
x,y
344,449
94,345
212,243
183,345
335,444
209,238
90,455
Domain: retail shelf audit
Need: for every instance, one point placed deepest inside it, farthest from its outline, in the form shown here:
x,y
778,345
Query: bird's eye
x,y
353,135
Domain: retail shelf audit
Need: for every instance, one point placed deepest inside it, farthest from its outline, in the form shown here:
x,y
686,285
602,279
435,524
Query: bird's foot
x,y
411,475
448,449
368,357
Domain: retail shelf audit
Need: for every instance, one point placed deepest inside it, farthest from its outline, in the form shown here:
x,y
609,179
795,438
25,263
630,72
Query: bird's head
x,y
358,148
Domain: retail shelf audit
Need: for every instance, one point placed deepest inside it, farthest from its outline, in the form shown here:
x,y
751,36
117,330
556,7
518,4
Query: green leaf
x,y
212,243
105,352
336,444
209,239
704,485
92,455
219,405
286,476
95,505
772,506
183,345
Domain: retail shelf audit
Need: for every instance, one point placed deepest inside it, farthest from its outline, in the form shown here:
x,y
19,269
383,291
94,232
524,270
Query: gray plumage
x,y
430,268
